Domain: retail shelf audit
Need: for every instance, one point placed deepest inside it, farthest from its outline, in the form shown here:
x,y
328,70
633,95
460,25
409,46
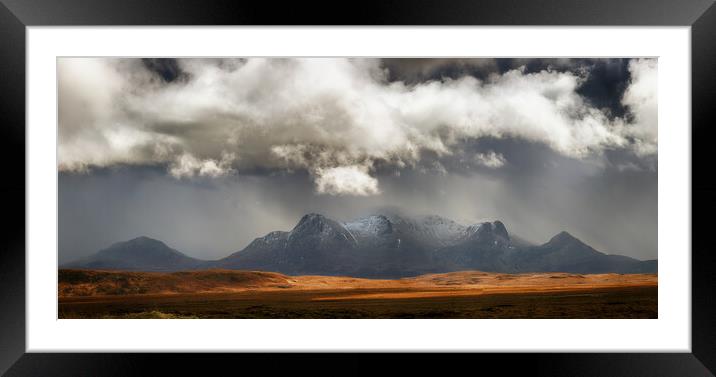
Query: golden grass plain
x,y
254,294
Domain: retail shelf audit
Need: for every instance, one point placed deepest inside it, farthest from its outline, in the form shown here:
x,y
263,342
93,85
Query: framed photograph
x,y
518,183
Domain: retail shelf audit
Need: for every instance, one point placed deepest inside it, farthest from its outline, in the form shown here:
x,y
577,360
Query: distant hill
x,y
138,254
381,245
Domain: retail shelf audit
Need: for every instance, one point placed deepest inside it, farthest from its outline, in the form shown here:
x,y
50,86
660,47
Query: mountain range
x,y
378,246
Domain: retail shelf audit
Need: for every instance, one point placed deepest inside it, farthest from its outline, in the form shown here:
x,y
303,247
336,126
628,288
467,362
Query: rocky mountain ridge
x,y
380,245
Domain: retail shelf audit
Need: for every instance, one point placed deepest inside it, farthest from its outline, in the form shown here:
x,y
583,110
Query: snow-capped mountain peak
x,y
316,231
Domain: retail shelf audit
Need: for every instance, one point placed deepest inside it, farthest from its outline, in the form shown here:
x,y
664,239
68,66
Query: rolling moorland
x,y
246,294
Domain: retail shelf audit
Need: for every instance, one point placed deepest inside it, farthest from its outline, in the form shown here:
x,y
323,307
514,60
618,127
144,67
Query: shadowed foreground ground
x,y
241,294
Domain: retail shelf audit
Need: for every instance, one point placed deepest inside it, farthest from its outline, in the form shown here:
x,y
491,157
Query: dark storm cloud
x,y
416,70
168,69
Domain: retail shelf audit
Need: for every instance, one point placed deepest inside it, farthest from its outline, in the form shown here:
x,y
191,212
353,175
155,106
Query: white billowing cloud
x,y
346,180
642,99
330,116
491,159
189,166
94,127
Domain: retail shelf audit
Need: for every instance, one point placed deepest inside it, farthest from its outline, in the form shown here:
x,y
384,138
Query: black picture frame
x,y
16,15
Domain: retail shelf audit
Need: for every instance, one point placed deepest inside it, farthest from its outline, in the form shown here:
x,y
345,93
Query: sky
x,y
208,154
